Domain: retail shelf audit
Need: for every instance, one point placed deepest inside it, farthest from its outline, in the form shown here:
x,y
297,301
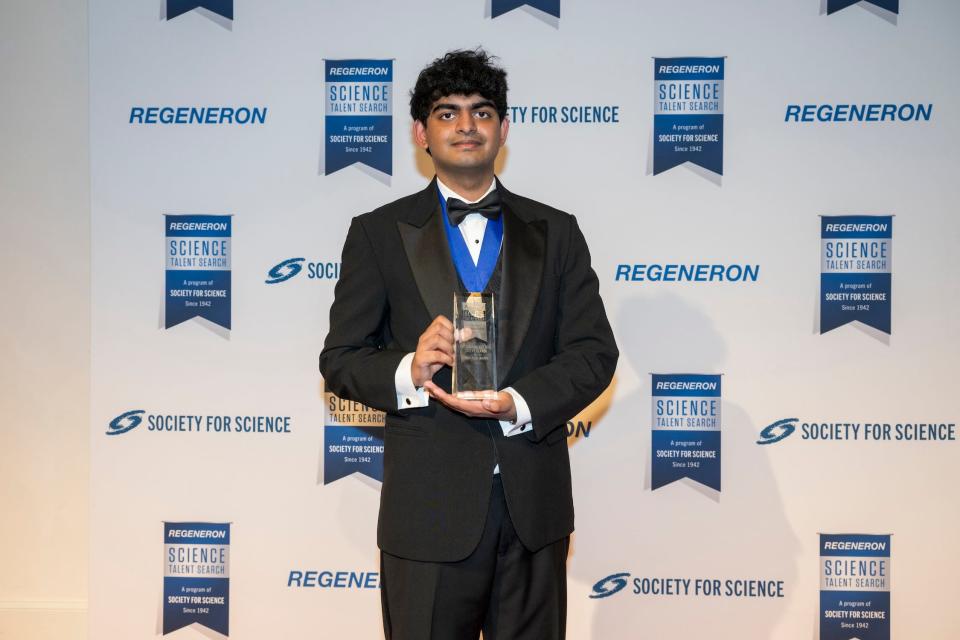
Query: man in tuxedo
x,y
476,508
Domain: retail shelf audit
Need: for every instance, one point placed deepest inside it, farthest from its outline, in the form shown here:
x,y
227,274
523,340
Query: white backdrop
x,y
779,177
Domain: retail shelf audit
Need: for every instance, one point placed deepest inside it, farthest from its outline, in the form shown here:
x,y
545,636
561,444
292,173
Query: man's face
x,y
463,133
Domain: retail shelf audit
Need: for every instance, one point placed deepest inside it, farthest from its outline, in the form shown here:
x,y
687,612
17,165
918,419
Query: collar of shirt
x,y
474,225
447,193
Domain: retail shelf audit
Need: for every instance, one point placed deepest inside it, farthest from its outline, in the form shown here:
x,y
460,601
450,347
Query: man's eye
x,y
447,115
483,114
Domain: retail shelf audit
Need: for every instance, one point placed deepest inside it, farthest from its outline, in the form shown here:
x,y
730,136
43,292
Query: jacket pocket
x,y
558,434
406,432
405,428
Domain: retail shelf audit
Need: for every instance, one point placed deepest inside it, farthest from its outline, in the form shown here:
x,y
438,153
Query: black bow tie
x,y
488,207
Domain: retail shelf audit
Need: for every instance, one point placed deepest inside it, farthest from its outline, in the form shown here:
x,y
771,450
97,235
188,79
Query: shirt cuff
x,y
408,395
522,423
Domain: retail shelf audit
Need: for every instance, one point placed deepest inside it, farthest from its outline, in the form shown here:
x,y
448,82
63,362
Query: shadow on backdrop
x,y
676,531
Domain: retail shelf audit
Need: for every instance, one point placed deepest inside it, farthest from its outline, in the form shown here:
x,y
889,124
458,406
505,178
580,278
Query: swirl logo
x,y
608,586
125,422
777,431
285,270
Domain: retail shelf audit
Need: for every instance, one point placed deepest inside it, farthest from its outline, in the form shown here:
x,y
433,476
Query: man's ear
x,y
420,134
504,129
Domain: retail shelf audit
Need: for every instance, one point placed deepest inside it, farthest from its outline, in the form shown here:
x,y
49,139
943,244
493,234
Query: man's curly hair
x,y
460,72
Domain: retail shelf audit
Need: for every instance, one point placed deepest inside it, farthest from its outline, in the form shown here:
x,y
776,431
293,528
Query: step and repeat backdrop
x,y
769,192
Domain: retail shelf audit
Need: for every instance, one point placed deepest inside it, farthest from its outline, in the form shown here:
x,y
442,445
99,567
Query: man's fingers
x,y
430,357
442,322
426,364
450,400
492,408
444,333
436,343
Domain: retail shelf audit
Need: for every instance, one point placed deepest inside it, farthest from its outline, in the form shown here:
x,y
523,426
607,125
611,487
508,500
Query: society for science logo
x,y
293,267
724,587
777,431
222,8
606,587
564,114
126,421
893,6
832,431
171,424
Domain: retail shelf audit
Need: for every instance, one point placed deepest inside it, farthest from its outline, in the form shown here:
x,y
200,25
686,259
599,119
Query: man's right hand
x,y
434,350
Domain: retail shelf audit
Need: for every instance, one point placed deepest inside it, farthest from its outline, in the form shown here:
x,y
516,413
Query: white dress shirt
x,y
409,396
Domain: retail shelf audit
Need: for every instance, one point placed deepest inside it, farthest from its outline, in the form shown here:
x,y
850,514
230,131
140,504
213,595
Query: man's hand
x,y
434,349
501,408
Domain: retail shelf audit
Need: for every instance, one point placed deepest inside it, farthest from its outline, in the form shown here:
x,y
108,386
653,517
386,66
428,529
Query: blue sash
x,y
474,276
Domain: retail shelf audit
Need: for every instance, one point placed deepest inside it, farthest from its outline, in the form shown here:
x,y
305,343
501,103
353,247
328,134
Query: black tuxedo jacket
x,y
554,347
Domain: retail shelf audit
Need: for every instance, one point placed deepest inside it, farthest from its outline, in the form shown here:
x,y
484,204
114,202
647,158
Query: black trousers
x,y
503,589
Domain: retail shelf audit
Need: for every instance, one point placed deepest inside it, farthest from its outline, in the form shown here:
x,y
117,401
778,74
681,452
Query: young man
x,y
476,508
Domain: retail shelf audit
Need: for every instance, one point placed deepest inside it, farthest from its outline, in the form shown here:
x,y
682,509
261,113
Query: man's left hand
x,y
499,408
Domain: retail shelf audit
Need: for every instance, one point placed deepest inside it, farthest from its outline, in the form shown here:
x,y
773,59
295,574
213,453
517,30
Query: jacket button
x,y
408,400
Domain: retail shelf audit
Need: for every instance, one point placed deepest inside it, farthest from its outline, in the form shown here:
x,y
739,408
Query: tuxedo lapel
x,y
524,243
522,255
425,243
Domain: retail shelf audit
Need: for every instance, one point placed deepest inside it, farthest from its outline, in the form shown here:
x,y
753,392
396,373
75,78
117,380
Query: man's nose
x,y
465,122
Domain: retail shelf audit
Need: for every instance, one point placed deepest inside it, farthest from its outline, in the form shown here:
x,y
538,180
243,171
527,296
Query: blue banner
x,y
179,7
359,114
500,7
198,254
688,113
352,439
855,271
686,429
196,576
854,587
350,450
836,5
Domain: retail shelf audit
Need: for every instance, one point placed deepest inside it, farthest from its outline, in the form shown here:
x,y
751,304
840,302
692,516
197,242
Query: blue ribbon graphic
x,y
688,113
198,281
836,5
500,7
196,576
348,450
686,429
854,587
359,114
855,272
179,7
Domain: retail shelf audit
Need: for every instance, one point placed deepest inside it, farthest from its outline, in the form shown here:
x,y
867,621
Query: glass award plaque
x,y
474,346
